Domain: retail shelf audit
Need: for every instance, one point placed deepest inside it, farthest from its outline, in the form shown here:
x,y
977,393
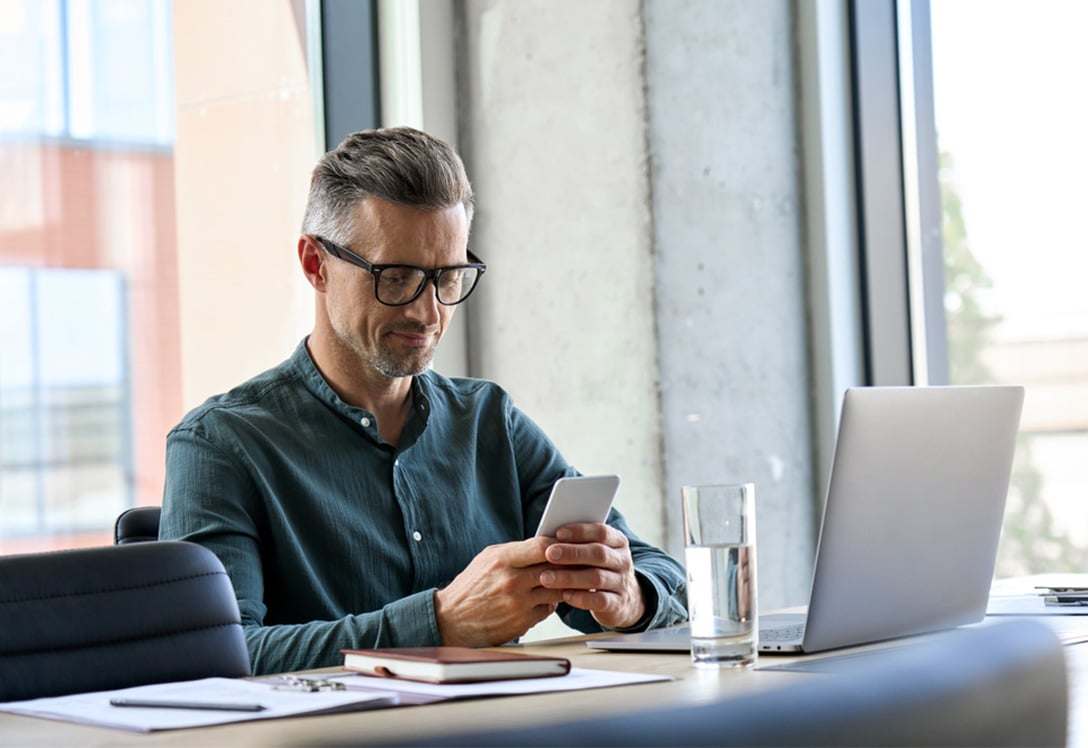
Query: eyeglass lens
x,y
399,285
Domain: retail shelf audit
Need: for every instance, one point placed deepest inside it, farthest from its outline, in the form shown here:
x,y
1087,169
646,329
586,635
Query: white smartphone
x,y
584,498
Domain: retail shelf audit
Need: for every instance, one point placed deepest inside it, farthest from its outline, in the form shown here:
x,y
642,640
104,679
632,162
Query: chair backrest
x,y
138,524
116,616
998,685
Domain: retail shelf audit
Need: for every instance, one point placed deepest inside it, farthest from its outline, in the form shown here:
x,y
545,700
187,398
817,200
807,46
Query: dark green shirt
x,y
336,539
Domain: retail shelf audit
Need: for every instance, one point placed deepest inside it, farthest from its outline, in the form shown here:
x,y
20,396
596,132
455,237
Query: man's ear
x,y
312,258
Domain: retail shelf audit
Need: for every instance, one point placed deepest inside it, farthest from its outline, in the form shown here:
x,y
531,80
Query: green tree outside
x,y
1030,541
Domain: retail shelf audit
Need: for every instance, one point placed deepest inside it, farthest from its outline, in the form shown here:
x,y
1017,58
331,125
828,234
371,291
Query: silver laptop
x,y
911,523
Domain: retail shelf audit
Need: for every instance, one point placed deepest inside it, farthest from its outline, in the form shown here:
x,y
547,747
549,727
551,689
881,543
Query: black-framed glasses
x,y
397,285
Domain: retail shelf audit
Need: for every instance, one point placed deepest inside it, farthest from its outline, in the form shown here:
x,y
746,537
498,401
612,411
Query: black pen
x,y
220,706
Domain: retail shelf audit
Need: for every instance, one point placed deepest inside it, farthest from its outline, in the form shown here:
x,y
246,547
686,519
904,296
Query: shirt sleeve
x,y
210,499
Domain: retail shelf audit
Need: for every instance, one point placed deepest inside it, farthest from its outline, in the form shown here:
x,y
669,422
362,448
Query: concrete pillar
x,y
637,172
553,134
730,269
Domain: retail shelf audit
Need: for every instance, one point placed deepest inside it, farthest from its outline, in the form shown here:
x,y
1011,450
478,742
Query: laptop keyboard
x,y
782,633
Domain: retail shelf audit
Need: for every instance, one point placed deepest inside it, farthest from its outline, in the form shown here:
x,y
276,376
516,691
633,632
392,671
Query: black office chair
x,y
999,685
116,616
139,524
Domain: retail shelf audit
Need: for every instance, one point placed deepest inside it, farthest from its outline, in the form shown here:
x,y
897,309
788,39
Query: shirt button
x,y
365,421
417,536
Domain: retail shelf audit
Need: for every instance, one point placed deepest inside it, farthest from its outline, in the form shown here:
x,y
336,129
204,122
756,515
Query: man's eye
x,y
399,277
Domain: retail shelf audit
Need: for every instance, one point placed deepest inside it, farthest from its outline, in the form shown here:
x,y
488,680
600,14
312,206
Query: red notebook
x,y
452,664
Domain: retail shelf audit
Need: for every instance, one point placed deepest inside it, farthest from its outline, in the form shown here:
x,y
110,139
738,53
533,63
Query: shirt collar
x,y
301,365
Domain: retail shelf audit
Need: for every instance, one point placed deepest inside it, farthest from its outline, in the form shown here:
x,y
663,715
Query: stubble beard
x,y
390,364
391,360
386,360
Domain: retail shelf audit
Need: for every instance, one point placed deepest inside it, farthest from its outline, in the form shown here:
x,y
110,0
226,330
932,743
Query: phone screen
x,y
585,498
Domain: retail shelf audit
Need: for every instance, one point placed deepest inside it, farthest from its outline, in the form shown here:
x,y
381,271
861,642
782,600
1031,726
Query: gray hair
x,y
399,164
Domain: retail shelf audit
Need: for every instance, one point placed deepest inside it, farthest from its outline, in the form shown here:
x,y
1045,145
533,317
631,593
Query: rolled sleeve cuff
x,y
411,621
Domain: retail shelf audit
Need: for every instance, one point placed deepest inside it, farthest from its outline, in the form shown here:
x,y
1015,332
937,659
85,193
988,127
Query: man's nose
x,y
425,307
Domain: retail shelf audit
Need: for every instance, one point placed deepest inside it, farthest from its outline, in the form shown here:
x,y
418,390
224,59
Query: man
x,y
357,498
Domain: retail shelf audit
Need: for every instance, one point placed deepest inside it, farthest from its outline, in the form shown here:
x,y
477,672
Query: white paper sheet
x,y
95,709
363,692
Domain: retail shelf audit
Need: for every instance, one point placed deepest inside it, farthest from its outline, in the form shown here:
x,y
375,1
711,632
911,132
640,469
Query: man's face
x,y
395,341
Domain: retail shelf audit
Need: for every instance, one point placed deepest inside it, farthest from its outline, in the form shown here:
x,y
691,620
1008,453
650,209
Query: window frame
x,y
899,214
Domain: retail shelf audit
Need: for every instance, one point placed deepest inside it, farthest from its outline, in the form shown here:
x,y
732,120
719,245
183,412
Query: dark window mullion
x,y
881,227
349,37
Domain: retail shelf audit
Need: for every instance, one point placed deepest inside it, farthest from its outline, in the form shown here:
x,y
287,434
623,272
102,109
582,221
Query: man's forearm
x,y
408,622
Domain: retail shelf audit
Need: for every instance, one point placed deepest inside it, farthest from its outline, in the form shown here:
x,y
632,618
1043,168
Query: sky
x,y
1011,101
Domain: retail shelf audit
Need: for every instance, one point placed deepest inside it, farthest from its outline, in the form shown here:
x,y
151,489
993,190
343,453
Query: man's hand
x,y
596,573
498,597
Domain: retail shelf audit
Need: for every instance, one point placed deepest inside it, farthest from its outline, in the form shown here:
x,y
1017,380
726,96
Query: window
x,y
64,412
1011,124
154,161
92,71
976,163
87,263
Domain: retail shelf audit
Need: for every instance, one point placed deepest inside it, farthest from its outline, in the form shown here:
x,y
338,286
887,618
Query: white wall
x,y
243,156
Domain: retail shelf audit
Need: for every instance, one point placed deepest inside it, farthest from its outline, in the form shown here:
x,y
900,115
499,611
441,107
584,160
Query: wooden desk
x,y
691,686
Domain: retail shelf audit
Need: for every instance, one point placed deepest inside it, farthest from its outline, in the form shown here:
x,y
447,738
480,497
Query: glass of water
x,y
720,555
